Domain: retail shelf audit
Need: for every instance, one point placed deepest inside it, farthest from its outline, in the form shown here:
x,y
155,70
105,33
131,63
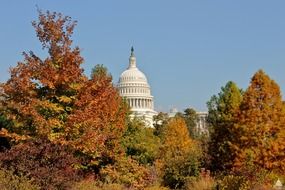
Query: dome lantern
x,y
132,59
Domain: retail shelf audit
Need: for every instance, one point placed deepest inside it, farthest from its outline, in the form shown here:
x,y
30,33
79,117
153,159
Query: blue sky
x,y
188,49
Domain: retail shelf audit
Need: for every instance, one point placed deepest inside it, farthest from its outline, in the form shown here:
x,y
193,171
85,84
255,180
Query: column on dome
x,y
138,105
138,102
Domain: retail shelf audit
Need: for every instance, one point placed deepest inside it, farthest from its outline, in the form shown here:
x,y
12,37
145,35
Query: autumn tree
x,y
179,156
40,93
97,123
260,130
52,98
221,119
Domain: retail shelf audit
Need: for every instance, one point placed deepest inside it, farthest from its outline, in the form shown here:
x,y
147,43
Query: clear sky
x,y
188,49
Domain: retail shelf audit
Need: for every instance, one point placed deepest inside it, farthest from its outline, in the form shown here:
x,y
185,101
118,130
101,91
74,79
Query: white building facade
x,y
134,87
201,125
201,122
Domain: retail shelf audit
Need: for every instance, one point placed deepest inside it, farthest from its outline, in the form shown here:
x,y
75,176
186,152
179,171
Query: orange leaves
x,y
98,119
260,125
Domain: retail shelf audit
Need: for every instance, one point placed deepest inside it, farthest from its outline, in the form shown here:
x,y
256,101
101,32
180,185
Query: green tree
x,y
159,122
221,119
100,70
140,142
191,118
260,130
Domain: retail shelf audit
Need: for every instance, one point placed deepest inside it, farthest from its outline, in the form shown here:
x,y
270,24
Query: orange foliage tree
x,y
40,93
259,132
97,124
53,98
179,155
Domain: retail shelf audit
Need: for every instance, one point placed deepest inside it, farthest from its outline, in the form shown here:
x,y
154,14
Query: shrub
x,y
156,187
128,172
231,182
49,165
9,181
95,185
203,182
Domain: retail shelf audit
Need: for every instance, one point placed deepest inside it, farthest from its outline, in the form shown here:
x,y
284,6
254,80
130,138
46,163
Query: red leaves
x,y
49,165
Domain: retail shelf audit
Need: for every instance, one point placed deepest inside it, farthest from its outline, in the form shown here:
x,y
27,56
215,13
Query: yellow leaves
x,y
66,99
76,86
54,136
53,107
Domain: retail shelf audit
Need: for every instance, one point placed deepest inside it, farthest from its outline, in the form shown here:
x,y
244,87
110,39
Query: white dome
x,y
133,75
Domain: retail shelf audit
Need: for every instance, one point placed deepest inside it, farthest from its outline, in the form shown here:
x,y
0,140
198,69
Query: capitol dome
x,y
132,75
134,87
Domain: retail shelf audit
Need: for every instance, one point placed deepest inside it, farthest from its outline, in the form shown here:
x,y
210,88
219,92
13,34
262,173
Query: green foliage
x,y
100,71
221,118
191,118
159,122
140,142
9,181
